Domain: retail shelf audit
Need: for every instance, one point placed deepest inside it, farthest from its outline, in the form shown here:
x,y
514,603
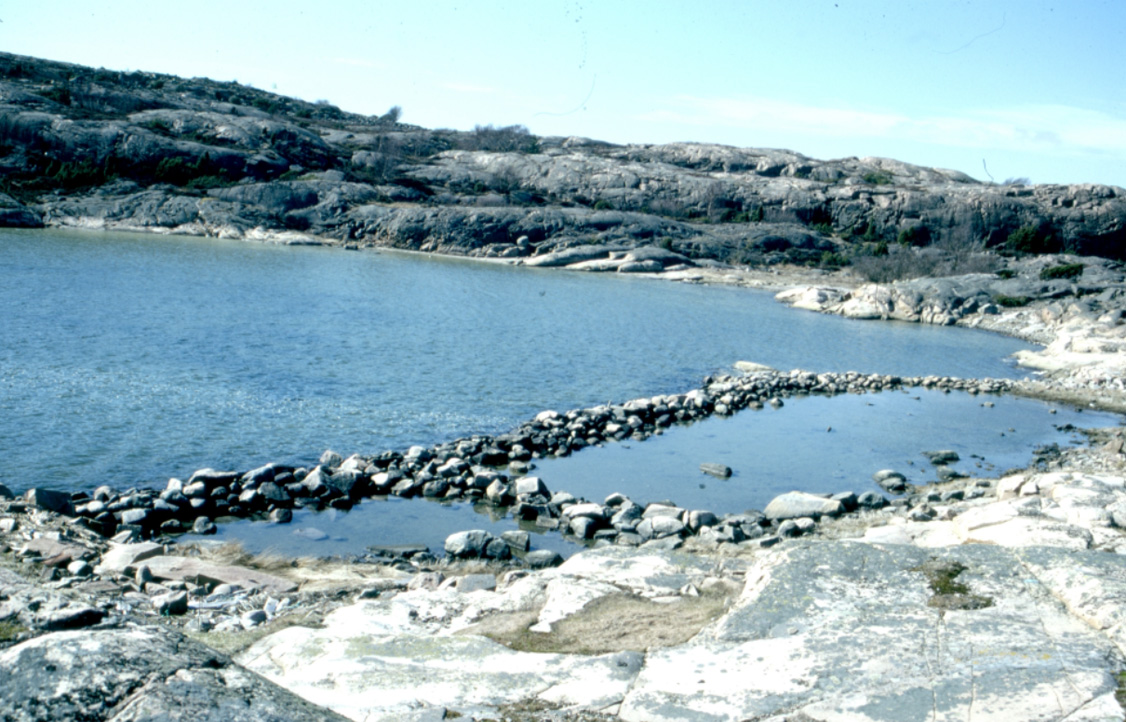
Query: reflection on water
x,y
129,358
818,444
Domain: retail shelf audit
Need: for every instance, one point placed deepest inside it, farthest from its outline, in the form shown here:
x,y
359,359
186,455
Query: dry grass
x,y
312,574
613,623
231,643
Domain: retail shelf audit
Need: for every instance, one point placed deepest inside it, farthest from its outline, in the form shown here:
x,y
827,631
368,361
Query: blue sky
x,y
1034,89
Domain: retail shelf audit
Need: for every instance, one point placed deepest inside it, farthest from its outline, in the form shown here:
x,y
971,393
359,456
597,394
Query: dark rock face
x,y
102,149
137,673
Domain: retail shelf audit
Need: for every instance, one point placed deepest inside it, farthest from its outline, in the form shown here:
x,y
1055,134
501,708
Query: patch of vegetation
x,y
1006,273
603,205
751,216
231,643
825,229
200,174
507,139
1010,301
1033,239
918,236
878,178
610,624
948,592
1066,270
58,93
832,261
158,125
11,631
270,105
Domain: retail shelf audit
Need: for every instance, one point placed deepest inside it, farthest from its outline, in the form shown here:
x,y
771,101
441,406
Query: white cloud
x,y
1032,128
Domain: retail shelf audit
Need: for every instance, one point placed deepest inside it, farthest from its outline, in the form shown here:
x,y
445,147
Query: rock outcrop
x,y
143,151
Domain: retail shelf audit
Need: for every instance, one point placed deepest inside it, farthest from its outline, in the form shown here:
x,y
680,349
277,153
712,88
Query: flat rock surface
x,y
140,673
831,629
854,631
196,570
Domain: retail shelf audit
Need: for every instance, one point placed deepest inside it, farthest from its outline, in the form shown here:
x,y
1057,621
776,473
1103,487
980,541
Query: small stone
x,y
171,603
203,525
945,456
56,501
79,568
518,540
281,516
477,582
543,558
719,471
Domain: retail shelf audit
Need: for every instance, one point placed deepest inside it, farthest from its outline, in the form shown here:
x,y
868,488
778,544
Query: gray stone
x,y
56,501
331,459
70,616
816,630
198,571
586,509
660,526
137,517
281,516
468,544
518,540
498,549
121,558
138,673
6,493
583,527
698,519
719,471
794,504
871,500
203,525
79,568
543,558
477,582
175,602
529,485
944,456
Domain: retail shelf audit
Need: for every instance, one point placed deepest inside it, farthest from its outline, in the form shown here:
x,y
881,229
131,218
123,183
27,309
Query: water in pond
x,y
814,443
130,358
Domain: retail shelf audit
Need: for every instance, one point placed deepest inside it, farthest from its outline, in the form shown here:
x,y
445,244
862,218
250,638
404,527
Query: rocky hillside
x,y
106,149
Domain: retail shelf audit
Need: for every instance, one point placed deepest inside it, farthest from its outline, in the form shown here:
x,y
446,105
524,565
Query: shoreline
x,y
697,573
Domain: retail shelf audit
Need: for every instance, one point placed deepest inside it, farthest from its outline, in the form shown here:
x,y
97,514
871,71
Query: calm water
x,y
130,358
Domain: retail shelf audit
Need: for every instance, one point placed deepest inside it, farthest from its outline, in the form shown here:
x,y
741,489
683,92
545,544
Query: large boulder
x,y
797,504
137,673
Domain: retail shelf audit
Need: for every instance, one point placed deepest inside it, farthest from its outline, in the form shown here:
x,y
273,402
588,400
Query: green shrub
x,y
1033,239
1006,273
918,235
603,205
204,182
158,125
59,93
71,175
881,248
1010,301
825,229
832,261
1067,270
878,178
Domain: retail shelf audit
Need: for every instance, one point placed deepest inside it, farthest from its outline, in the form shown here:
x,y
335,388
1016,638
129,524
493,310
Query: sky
x,y
999,90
